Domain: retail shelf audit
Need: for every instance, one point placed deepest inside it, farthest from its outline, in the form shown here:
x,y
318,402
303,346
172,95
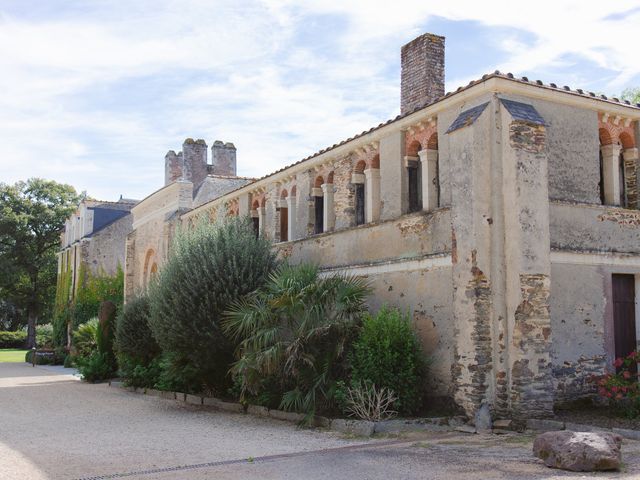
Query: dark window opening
x,y
284,224
256,226
623,182
319,215
415,201
360,214
601,183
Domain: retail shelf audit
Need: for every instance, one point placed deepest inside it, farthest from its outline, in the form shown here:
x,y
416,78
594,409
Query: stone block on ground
x,y
439,424
287,416
544,425
193,399
465,429
222,405
361,428
579,451
502,424
152,392
258,410
167,395
483,419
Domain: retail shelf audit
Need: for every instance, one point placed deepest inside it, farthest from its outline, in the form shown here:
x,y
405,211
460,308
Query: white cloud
x,y
94,95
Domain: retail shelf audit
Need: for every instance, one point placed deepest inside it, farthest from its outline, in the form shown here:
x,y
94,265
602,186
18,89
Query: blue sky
x,y
94,93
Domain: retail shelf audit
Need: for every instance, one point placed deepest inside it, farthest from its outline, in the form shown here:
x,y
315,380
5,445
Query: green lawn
x,y
12,355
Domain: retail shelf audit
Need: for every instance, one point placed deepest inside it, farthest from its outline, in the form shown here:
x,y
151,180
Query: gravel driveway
x,y
54,427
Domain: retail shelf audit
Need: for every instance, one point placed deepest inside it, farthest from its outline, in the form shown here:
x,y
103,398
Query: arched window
x,y
150,267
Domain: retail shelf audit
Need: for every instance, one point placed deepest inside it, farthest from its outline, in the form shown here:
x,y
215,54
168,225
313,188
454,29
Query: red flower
x,y
618,363
626,374
614,389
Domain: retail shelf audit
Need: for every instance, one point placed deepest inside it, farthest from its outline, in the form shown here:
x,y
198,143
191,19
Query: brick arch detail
x,y
425,138
371,159
610,133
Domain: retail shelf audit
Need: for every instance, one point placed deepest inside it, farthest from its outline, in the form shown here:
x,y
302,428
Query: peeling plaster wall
x,y
572,147
578,304
469,151
594,228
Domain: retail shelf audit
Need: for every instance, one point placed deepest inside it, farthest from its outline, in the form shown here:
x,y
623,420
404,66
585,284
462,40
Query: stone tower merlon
x,y
172,167
422,72
223,159
194,155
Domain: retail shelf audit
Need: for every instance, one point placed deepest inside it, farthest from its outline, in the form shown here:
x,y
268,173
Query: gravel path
x,y
53,426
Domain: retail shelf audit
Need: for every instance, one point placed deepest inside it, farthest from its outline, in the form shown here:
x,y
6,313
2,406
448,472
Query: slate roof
x,y
523,112
467,117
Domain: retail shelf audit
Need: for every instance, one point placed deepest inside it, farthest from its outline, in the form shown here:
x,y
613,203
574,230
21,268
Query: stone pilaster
x,y
372,195
393,191
611,173
291,210
429,160
329,214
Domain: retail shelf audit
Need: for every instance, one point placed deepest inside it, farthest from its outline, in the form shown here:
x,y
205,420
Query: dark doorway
x,y
319,213
360,215
284,224
624,315
256,226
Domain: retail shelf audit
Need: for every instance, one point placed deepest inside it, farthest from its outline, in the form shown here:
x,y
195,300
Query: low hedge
x,y
13,339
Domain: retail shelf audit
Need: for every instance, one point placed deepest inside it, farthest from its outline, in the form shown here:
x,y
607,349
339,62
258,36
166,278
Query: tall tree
x,y
631,94
32,215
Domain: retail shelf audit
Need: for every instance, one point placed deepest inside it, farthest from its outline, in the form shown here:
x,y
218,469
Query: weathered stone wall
x,y
155,220
105,250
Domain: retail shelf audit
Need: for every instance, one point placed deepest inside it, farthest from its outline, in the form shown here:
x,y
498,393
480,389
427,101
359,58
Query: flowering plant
x,y
622,388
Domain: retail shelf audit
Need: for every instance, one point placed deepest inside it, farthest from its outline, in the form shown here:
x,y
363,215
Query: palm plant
x,y
294,332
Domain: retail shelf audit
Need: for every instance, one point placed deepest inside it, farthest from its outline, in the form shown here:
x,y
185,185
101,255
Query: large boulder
x,y
579,451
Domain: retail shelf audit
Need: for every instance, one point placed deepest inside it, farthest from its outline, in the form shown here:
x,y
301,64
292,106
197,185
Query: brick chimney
x,y
223,158
194,156
422,72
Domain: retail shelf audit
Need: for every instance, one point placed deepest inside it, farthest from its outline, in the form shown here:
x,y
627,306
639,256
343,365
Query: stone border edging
x,y
361,428
542,425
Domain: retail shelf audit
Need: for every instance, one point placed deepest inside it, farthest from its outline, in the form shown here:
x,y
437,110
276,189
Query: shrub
x,y
60,323
209,267
44,336
106,332
368,402
387,354
622,389
13,339
95,367
140,375
133,335
84,338
293,335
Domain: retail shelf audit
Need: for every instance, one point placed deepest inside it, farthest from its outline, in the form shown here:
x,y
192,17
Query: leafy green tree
x,y
631,94
294,333
32,214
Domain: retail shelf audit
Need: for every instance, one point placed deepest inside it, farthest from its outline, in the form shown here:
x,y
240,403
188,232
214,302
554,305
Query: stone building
x,y
503,216
94,239
190,181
